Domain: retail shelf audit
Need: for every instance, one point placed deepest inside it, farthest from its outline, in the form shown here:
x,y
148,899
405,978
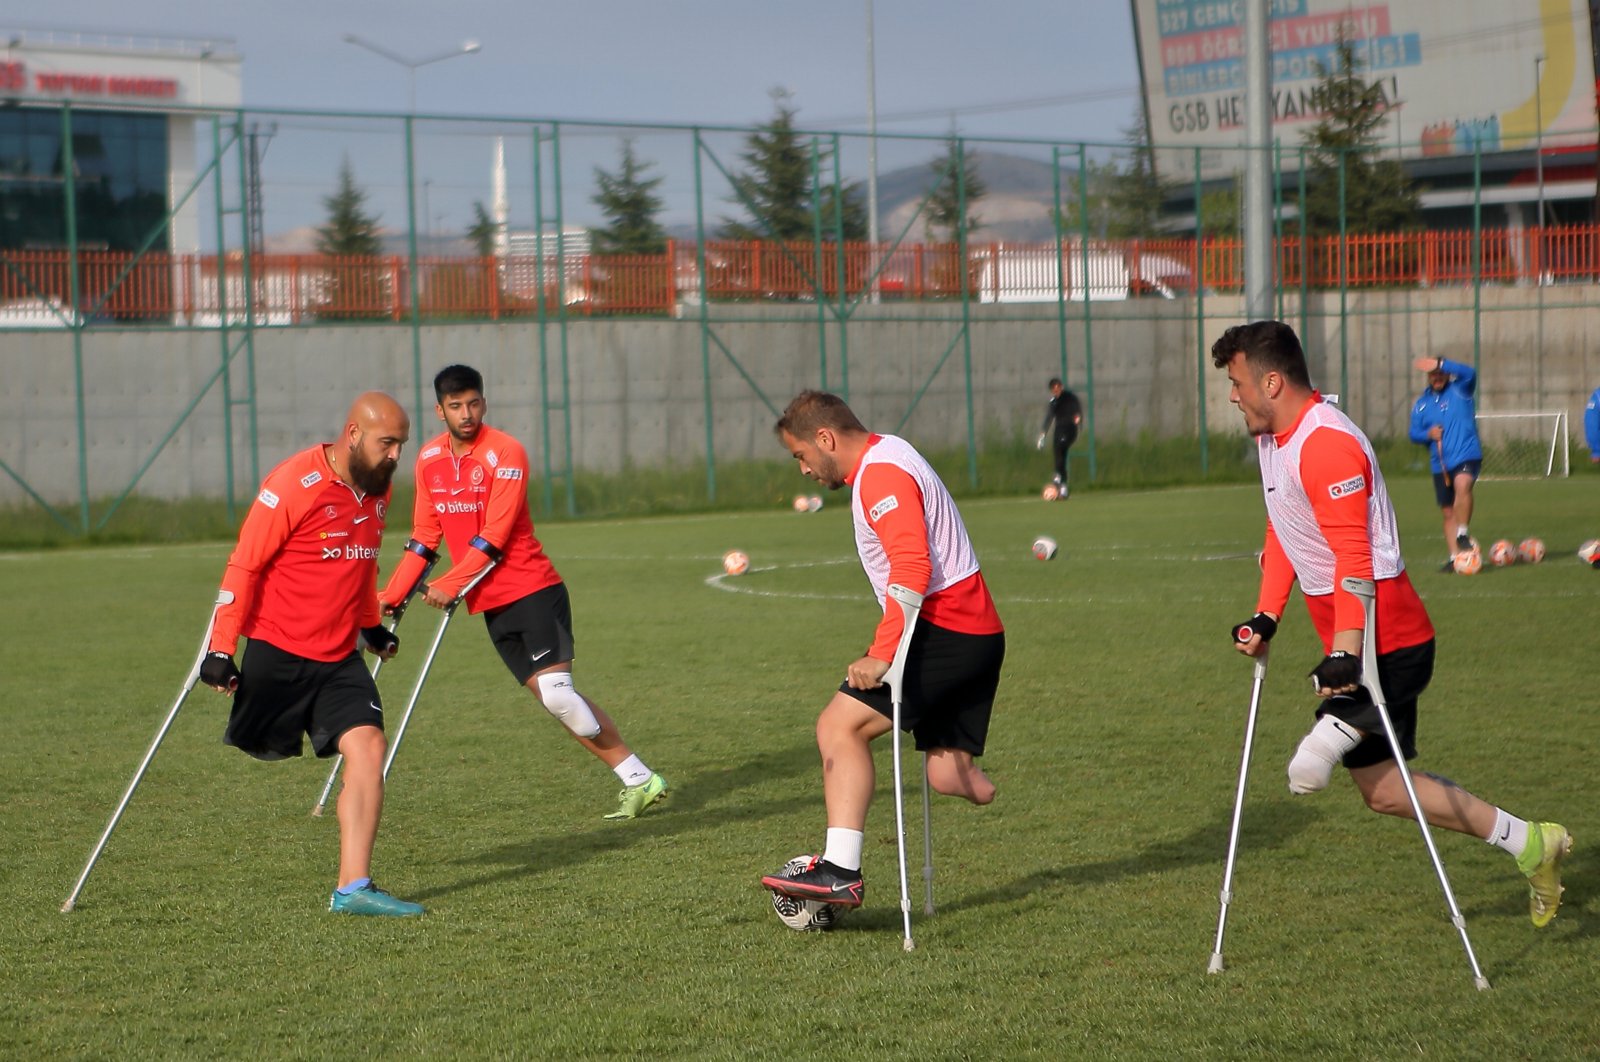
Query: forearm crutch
x,y
494,555
1226,895
1366,591
224,597
430,557
910,603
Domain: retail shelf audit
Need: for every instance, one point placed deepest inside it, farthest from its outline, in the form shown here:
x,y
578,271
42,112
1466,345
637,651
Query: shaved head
x,y
374,431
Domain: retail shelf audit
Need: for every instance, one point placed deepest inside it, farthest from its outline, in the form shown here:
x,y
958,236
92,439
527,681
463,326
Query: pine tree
x,y
353,289
1136,193
775,189
944,210
350,230
627,199
1378,196
483,231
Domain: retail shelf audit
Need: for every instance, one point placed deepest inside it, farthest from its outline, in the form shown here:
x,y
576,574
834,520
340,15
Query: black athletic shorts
x,y
1444,484
282,697
950,683
1403,674
533,632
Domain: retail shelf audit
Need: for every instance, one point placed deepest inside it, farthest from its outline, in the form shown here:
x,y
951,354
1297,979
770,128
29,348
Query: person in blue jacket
x,y
1591,425
1445,420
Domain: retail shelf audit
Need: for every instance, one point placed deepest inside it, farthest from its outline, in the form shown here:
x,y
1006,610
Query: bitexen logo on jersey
x,y
349,553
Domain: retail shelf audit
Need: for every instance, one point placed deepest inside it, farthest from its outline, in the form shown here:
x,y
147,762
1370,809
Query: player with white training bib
x,y
472,491
907,532
1329,519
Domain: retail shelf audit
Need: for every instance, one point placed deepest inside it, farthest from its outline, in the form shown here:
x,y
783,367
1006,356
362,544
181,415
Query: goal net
x,y
1524,445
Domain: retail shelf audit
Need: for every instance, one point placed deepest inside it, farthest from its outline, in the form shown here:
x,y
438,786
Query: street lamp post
x,y
411,65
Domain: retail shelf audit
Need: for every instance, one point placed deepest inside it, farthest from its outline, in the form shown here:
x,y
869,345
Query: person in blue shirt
x,y
1591,425
1445,420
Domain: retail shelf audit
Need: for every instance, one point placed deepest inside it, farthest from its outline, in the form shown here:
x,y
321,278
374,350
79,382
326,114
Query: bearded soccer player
x,y
472,491
1329,518
303,582
907,532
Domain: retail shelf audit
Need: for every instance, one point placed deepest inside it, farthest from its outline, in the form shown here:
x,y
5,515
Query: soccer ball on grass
x,y
1503,554
736,562
1530,550
1589,553
1469,561
804,915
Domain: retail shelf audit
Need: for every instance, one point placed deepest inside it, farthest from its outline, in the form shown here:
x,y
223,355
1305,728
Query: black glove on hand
x,y
217,670
1260,623
380,640
1337,670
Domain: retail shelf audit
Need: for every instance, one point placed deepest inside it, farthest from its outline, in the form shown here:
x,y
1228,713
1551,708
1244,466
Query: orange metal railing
x,y
198,289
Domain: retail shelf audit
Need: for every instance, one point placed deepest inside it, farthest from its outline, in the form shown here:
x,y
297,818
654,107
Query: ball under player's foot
x,y
1548,845
368,899
635,798
824,882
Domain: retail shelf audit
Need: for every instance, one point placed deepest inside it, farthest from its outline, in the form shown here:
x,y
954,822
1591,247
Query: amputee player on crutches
x,y
472,483
303,583
908,532
1328,518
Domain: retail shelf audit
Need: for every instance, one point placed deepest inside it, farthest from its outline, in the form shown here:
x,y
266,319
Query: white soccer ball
x,y
1044,547
1589,552
814,502
801,503
736,562
1468,561
804,915
1531,550
1050,493
1503,553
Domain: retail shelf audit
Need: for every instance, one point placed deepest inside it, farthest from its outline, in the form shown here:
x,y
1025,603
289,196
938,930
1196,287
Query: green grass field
x,y
1075,916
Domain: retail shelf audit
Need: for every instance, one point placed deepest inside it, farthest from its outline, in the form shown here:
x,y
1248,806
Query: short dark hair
x,y
454,379
811,411
1268,346
1055,381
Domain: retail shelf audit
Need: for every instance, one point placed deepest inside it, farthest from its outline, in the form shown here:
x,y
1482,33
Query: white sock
x,y
1319,753
1510,833
1462,530
844,848
632,771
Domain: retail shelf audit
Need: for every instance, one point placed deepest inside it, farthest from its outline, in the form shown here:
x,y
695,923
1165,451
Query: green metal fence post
x,y
248,279
411,254
1061,266
1277,222
966,310
1305,254
69,167
705,316
816,263
1344,289
1477,251
1088,299
1200,319
843,313
226,345
561,318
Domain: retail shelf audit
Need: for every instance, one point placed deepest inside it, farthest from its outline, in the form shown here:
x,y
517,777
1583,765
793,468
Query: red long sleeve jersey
x,y
482,492
909,532
304,575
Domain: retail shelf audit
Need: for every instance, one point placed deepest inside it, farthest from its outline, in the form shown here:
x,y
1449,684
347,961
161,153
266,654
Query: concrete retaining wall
x,y
638,390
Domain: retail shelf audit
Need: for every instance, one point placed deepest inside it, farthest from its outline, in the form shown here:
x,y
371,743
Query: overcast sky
x,y
1057,70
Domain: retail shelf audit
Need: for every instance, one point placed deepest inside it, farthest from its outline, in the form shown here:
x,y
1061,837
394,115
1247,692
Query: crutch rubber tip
x,y
1482,983
910,945
316,812
1215,965
69,905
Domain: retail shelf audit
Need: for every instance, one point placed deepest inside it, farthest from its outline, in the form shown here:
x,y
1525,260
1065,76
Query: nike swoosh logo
x,y
542,655
376,707
361,519
458,490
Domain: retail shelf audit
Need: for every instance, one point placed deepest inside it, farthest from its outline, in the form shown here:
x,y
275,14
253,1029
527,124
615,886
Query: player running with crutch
x,y
1328,520
908,533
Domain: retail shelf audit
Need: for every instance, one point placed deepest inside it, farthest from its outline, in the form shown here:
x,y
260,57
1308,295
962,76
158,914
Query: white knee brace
x,y
1320,751
561,700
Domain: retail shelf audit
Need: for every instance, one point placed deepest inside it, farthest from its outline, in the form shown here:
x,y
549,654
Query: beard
x,y
370,479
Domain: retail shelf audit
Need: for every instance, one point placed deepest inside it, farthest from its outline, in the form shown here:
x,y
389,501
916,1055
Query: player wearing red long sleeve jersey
x,y
301,587
907,532
1329,518
472,490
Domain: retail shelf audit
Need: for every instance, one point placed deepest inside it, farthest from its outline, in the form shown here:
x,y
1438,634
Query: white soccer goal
x,y
1524,445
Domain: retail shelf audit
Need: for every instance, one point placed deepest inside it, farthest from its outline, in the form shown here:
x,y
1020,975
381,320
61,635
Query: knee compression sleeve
x,y
1319,752
564,702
